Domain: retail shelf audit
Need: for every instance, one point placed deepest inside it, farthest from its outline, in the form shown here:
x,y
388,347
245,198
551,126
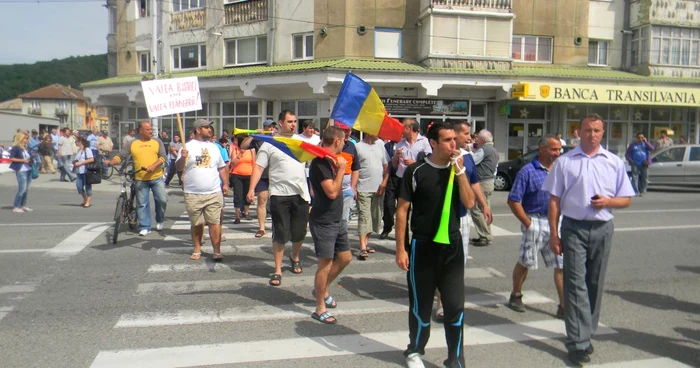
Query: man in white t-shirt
x,y
204,171
289,196
373,178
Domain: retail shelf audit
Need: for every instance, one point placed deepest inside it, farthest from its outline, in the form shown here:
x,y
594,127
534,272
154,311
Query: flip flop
x,y
276,277
324,317
218,257
196,256
363,255
328,301
260,234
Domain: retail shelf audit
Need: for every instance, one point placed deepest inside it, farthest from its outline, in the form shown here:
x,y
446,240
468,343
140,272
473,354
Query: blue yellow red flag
x,y
296,148
359,107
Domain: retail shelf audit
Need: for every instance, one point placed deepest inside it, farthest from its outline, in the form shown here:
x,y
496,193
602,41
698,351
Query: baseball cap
x,y
202,123
269,122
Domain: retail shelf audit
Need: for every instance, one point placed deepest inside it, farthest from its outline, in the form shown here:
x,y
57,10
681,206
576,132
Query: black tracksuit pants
x,y
391,195
434,265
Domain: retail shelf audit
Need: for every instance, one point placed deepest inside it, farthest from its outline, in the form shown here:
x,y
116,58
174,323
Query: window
x,y
640,46
112,20
182,5
675,154
242,115
532,49
245,51
303,46
675,46
189,57
598,52
387,43
145,62
694,154
145,8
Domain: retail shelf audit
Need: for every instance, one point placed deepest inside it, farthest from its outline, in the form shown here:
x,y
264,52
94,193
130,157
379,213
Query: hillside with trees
x,y
17,79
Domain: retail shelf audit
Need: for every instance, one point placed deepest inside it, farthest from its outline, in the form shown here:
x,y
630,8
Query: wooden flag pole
x,y
179,126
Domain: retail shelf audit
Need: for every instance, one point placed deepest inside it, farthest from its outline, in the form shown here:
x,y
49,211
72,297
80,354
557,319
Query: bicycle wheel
x,y
107,172
131,214
118,217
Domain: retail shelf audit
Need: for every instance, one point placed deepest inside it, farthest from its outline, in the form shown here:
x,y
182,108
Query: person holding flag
x,y
434,258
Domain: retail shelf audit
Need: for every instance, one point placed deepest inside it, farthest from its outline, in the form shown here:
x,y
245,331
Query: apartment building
x,y
519,68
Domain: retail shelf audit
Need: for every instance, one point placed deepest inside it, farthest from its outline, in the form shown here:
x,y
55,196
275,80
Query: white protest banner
x,y
171,96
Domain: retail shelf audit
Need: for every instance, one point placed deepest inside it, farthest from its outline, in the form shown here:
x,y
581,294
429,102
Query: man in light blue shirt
x,y
92,138
585,185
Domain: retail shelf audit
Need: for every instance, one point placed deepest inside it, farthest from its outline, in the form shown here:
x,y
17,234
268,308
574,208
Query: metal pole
x,y
154,56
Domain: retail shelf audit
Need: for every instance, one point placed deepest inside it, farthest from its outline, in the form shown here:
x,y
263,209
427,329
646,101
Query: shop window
x,y
536,112
246,51
478,110
241,115
618,113
601,110
307,108
387,43
303,46
532,49
138,113
660,114
598,52
640,113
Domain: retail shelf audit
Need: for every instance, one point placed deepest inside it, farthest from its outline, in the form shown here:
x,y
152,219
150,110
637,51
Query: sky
x,y
42,30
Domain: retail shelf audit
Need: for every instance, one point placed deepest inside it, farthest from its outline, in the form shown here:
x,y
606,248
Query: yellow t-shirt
x,y
146,154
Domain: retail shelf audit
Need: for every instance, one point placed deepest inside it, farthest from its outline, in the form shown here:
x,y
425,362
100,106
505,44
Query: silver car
x,y
676,165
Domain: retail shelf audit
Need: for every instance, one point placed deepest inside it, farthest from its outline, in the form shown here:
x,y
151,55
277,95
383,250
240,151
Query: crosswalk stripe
x,y
303,310
19,288
177,287
646,363
4,311
77,241
325,346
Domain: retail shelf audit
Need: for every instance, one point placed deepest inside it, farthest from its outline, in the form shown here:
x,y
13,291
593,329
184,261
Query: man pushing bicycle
x,y
147,152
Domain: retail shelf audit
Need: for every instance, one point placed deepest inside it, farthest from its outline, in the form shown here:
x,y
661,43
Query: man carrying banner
x,y
430,264
289,197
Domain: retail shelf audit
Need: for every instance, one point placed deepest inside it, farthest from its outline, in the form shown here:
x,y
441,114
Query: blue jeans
x,y
640,178
143,205
23,180
83,186
66,165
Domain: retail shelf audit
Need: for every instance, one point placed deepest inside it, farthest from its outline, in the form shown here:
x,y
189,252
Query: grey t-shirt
x,y
372,158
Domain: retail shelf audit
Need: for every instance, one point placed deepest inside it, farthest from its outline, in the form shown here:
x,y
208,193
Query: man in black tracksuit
x,y
431,264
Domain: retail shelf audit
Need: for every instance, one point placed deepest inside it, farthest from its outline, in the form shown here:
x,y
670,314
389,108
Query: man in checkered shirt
x,y
530,205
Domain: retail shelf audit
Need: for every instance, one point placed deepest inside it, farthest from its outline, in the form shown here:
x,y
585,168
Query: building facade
x,y
67,105
427,59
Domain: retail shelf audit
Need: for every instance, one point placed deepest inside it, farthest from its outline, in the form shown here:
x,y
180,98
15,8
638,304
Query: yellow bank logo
x,y
544,91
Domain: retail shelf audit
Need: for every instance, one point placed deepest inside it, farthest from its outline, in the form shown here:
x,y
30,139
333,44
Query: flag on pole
x,y
296,148
358,106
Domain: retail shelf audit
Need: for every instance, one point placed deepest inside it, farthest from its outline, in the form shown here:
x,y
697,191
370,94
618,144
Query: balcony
x,y
191,19
61,111
680,13
34,111
245,12
497,6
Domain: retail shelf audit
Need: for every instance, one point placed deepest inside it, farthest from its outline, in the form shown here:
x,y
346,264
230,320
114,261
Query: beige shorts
x,y
204,208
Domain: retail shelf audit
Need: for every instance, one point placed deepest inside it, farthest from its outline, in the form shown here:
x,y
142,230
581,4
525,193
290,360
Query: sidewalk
x,y
50,181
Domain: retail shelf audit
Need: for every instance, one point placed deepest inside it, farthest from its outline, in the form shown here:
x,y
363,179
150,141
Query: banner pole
x,y
179,126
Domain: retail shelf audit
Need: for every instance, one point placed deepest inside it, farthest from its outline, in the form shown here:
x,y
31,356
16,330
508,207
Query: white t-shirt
x,y
287,175
372,158
315,140
202,167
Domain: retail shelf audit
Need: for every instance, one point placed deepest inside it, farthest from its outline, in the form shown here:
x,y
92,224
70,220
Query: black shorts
x,y
263,185
329,238
290,214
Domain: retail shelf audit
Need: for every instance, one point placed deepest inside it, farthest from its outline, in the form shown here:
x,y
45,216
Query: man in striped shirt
x,y
530,204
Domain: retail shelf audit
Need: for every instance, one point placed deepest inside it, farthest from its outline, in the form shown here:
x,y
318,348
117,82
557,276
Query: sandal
x,y
328,301
440,315
223,238
218,257
276,277
195,256
363,255
260,234
370,250
296,265
324,317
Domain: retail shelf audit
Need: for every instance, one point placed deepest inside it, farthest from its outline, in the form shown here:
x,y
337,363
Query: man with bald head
x,y
486,159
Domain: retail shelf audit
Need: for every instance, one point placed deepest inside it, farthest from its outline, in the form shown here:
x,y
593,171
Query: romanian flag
x,y
358,106
296,148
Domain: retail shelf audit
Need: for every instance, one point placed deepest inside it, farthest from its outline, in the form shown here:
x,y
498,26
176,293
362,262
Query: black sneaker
x,y
516,303
590,349
237,221
577,357
560,312
481,242
384,235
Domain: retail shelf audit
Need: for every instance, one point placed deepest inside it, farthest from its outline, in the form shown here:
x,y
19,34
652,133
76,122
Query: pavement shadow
x,y
662,346
693,269
657,301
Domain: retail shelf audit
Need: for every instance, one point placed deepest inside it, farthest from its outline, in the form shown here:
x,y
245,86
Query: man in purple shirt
x,y
639,157
530,205
585,185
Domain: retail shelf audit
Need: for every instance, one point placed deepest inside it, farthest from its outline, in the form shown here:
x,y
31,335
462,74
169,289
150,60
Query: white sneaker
x,y
17,210
27,209
144,232
414,360
159,226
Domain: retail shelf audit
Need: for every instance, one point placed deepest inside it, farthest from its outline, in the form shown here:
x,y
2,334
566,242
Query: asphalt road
x,y
69,298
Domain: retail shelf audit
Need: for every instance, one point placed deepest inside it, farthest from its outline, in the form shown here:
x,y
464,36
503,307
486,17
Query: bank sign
x,y
602,94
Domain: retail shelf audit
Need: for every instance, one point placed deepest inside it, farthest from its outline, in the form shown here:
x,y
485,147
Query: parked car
x,y
676,165
506,171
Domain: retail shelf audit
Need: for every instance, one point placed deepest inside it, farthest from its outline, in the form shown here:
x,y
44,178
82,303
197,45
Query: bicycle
x,y
107,170
126,210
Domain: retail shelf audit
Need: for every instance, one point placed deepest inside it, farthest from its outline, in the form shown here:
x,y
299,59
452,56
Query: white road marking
x,y
654,228
646,363
303,310
4,311
40,224
181,287
499,231
19,288
10,251
325,346
77,241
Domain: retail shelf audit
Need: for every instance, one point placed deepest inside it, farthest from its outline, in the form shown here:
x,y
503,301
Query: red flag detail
x,y
391,129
